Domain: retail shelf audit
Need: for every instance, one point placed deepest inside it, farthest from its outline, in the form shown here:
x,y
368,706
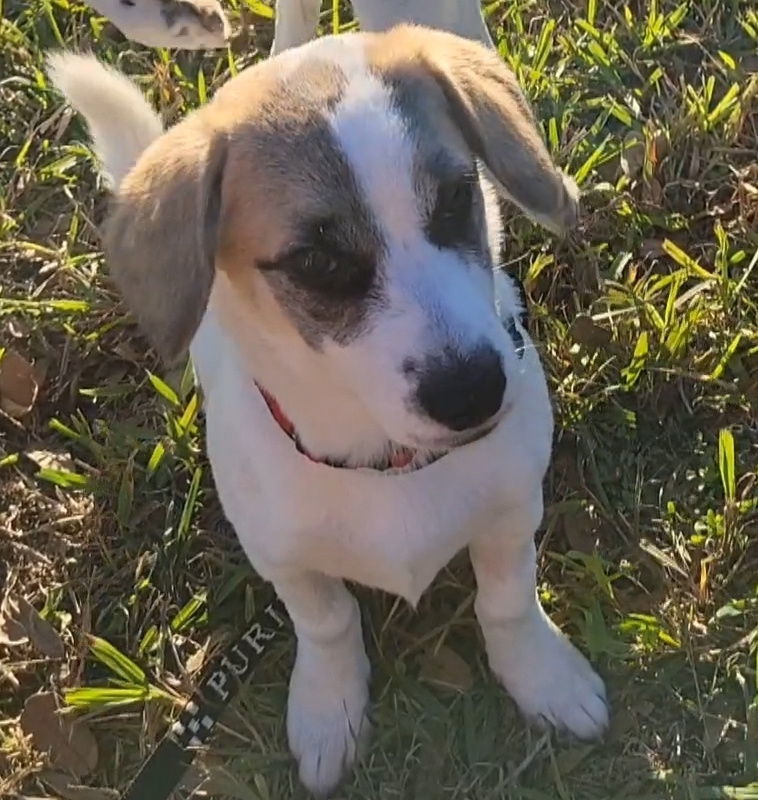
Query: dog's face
x,y
333,198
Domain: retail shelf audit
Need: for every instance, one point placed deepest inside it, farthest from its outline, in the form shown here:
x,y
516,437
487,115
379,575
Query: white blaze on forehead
x,y
374,138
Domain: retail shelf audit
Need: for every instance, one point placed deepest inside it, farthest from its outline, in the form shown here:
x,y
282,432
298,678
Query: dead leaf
x,y
40,370
659,146
67,790
196,661
20,623
18,384
652,191
587,333
581,531
43,636
65,120
714,728
652,248
69,742
633,155
445,668
12,630
128,352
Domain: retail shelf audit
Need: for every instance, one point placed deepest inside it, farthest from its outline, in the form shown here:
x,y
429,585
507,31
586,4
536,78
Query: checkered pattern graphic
x,y
194,726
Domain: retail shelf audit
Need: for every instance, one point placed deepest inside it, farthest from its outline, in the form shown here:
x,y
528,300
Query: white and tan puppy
x,y
323,235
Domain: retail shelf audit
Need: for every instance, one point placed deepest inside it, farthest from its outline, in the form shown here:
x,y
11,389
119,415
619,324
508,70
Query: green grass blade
x,y
115,660
186,614
163,389
189,503
726,464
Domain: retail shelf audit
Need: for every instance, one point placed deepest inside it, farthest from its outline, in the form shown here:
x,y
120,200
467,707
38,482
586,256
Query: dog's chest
x,y
393,532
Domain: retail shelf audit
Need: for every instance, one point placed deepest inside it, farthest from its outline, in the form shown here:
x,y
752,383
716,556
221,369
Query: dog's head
x,y
333,200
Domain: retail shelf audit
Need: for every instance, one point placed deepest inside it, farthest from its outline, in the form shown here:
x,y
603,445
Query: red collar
x,y
400,457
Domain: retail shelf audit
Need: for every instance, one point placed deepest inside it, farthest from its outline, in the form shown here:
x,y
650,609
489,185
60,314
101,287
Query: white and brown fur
x,y
325,227
202,24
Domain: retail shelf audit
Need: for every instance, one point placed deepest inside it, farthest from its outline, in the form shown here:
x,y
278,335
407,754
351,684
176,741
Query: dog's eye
x,y
450,220
329,273
454,199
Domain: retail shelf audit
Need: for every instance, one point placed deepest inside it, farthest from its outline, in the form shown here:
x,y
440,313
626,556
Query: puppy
x,y
324,235
202,24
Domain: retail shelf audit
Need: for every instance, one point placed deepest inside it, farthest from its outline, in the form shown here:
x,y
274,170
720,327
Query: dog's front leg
x,y
546,675
328,698
462,17
295,23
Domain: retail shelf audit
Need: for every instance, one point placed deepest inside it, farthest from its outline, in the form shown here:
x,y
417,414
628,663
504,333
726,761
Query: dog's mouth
x,y
446,444
469,437
424,453
397,458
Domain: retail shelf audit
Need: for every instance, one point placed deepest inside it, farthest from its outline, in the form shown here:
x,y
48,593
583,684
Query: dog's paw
x,y
550,680
326,722
185,24
195,24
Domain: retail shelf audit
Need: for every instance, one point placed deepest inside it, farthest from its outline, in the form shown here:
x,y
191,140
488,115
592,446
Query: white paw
x,y
550,680
326,719
195,24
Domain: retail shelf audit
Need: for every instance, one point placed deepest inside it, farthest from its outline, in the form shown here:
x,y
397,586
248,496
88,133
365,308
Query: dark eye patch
x,y
323,263
328,272
327,281
452,223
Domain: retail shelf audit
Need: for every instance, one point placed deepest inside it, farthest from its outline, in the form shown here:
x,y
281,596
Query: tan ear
x,y
161,236
487,105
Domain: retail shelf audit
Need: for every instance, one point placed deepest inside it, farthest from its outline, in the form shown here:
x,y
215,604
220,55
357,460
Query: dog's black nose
x,y
462,390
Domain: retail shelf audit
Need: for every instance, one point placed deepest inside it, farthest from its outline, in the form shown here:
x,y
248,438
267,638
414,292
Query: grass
x,y
648,322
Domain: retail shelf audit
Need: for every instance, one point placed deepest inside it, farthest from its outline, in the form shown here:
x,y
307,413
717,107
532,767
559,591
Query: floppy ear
x,y
487,105
162,233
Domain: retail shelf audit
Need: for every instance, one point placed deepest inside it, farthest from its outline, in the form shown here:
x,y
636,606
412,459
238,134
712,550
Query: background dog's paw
x,y
327,725
195,24
550,680
185,24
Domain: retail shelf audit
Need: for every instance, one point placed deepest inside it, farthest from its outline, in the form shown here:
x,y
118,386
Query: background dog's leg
x,y
326,711
295,23
545,674
187,24
463,17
